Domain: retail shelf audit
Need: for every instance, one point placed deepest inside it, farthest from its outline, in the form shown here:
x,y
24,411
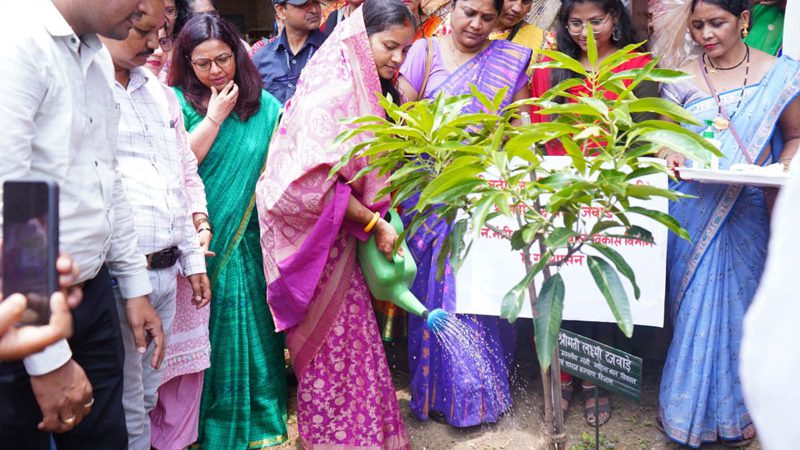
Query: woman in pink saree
x,y
310,225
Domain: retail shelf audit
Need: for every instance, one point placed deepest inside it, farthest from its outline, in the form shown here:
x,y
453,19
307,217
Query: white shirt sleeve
x,y
125,262
49,359
791,38
24,86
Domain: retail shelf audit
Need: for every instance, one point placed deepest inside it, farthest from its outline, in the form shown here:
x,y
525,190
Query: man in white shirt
x,y
770,354
59,121
151,167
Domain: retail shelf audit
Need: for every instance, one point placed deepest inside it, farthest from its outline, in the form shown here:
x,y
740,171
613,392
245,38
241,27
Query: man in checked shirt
x,y
152,166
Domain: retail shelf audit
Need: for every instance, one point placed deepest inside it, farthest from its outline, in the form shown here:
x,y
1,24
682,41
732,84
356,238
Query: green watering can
x,y
390,281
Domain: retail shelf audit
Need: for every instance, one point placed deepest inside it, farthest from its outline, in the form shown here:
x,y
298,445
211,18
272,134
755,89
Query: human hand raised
x,y
19,342
205,241
222,102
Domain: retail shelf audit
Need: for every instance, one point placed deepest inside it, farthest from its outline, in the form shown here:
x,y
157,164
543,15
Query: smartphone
x,y
30,245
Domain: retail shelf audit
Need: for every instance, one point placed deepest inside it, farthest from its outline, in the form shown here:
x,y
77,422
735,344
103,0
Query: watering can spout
x,y
409,302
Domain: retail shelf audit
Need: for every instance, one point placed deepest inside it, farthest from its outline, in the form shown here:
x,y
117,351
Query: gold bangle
x,y
371,224
215,121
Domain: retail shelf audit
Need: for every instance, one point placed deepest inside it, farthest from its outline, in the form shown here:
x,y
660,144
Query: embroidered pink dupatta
x,y
301,210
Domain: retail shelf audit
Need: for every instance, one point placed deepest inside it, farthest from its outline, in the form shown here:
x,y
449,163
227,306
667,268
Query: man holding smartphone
x,y
150,162
59,122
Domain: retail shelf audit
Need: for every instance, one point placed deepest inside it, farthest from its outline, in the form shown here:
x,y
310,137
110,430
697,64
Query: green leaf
x,y
645,192
662,218
558,180
663,107
622,116
512,301
603,225
501,202
642,234
453,179
596,104
517,241
645,171
619,262
481,98
547,321
457,244
575,153
562,88
687,144
620,56
565,62
607,280
591,47
559,237
657,75
479,213
569,108
529,232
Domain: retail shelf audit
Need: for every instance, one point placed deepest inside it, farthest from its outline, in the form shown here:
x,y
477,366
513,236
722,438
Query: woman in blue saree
x,y
713,278
464,387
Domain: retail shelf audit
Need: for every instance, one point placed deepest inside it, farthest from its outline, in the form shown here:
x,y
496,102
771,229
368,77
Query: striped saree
x,y
244,395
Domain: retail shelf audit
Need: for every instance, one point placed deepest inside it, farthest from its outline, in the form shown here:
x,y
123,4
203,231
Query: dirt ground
x,y
632,425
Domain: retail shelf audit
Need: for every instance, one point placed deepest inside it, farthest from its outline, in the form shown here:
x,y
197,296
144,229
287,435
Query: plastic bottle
x,y
708,134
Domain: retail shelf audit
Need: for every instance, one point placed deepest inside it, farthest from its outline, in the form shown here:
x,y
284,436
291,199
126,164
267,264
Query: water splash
x,y
467,347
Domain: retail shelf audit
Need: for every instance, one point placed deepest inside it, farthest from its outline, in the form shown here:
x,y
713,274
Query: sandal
x,y
739,443
566,397
603,408
438,417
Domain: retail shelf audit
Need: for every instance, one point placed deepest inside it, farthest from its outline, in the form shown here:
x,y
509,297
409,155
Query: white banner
x,y
492,268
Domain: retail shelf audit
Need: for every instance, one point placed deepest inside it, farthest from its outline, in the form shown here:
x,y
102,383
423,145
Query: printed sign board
x,y
491,269
605,366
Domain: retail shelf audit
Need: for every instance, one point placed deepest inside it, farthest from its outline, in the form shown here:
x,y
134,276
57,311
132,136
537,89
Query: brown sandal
x,y
588,412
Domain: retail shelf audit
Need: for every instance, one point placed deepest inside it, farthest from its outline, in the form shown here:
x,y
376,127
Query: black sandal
x,y
566,395
438,417
588,412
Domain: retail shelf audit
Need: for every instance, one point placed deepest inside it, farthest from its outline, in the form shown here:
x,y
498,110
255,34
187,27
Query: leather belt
x,y
163,258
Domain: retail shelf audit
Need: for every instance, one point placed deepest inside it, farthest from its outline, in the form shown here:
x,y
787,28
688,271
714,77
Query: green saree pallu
x,y
767,32
244,392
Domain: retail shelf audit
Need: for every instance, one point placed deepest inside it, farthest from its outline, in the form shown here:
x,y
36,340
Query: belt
x,y
163,258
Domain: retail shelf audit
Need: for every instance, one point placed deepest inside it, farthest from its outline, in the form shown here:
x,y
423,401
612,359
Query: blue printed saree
x,y
712,279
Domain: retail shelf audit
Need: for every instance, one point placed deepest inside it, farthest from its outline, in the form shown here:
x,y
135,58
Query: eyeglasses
x,y
166,43
171,12
576,27
221,61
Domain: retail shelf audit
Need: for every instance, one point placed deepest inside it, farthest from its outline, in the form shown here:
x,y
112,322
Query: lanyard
x,y
289,62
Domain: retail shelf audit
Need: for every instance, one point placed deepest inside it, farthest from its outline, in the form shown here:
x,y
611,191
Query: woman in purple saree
x,y
456,385
310,225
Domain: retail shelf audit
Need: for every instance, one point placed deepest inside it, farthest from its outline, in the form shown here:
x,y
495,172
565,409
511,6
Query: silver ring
x,y
89,405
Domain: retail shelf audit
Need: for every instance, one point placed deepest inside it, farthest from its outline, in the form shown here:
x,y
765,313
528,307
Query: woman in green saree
x,y
230,120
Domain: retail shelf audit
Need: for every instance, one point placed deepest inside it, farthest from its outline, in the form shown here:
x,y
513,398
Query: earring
x,y
745,32
616,35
